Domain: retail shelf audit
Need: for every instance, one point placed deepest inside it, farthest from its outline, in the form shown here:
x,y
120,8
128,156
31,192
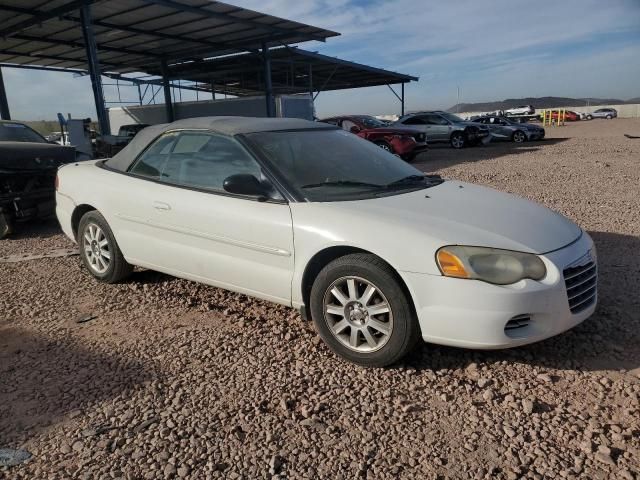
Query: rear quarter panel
x,y
111,193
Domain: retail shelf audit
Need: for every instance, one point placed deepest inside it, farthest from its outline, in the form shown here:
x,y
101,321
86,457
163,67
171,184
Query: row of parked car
x,y
410,134
570,115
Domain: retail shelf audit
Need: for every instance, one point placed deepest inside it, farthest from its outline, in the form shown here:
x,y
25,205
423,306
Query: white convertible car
x,y
307,215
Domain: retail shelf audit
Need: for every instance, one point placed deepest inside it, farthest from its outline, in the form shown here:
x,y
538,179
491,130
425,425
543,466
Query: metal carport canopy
x,y
136,35
293,70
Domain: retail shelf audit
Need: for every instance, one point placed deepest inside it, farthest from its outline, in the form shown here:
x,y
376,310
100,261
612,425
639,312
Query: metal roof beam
x,y
44,16
225,16
51,68
126,51
150,33
79,61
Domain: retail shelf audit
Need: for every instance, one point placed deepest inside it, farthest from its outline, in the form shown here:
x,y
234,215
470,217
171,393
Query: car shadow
x,y
608,340
43,380
36,228
442,155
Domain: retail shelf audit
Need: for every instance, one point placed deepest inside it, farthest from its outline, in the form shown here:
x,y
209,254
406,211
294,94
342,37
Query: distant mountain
x,y
541,102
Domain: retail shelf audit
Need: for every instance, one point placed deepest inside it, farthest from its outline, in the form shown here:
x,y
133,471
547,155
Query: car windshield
x,y
17,132
451,117
334,165
371,122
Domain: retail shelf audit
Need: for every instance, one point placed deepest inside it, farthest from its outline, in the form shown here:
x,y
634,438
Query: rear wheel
x,y
518,136
361,311
458,140
589,117
608,117
99,250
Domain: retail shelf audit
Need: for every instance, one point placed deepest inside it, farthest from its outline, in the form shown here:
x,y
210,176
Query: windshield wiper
x,y
411,179
345,183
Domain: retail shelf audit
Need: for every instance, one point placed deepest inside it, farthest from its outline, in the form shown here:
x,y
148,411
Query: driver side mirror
x,y
245,184
355,129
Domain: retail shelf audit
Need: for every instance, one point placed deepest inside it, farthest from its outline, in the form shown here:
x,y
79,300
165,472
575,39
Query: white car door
x,y
205,234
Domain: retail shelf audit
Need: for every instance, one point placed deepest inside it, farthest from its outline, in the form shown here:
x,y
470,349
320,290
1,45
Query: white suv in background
x,y
522,110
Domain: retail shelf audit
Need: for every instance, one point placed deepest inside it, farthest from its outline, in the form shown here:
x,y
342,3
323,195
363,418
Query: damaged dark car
x,y
28,165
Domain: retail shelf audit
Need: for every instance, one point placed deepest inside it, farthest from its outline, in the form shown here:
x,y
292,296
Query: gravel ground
x,y
175,379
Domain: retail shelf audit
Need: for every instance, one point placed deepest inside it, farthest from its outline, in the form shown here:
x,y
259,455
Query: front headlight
x,y
492,265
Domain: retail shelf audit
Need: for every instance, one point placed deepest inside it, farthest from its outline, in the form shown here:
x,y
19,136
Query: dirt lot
x,y
175,379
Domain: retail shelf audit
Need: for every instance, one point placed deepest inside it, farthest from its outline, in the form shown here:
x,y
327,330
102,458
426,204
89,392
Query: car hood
x,y
453,213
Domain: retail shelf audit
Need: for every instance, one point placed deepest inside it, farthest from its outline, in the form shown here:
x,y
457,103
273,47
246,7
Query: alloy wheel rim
x,y
358,314
457,141
519,137
385,147
96,248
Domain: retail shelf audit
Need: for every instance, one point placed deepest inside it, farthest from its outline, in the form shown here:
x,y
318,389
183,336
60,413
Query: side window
x,y
414,121
435,120
153,160
205,160
197,159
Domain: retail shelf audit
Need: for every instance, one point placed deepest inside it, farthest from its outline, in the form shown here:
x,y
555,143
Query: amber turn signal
x,y
450,265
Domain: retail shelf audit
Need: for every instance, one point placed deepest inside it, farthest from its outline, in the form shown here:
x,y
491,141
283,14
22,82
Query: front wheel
x,y
589,117
608,117
519,136
99,250
361,311
6,225
458,140
384,145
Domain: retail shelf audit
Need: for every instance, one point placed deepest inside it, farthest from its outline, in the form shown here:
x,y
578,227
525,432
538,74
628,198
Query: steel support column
x,y
313,103
94,68
4,104
166,85
402,101
268,85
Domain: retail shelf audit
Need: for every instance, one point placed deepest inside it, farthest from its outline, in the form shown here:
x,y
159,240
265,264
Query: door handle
x,y
161,206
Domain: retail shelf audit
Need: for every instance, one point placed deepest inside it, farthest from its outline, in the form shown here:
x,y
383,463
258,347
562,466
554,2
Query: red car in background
x,y
569,116
405,142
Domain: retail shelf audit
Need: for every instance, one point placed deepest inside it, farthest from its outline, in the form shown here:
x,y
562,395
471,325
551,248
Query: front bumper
x,y
407,145
474,314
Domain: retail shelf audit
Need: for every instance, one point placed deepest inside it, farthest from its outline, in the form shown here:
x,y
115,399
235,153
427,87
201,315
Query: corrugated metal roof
x,y
135,35
293,70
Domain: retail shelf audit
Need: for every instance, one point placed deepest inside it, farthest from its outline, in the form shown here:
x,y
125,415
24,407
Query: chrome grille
x,y
581,282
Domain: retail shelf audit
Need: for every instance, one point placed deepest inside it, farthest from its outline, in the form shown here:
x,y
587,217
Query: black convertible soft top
x,y
223,125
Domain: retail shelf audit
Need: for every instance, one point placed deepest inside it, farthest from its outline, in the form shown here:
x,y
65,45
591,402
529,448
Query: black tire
x,y
458,140
367,267
384,145
589,117
409,157
519,136
608,117
117,267
6,225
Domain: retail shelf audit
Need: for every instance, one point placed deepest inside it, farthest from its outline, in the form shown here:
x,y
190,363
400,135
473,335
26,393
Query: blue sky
x,y
492,50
